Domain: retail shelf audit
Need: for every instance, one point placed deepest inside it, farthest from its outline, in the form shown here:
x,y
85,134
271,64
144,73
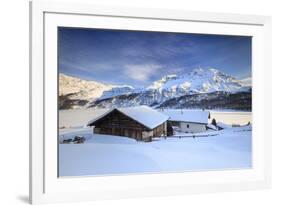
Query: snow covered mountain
x,y
81,89
246,81
199,80
75,92
115,91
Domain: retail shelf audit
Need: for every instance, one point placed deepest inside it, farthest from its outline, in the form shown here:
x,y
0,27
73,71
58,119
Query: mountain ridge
x,y
198,81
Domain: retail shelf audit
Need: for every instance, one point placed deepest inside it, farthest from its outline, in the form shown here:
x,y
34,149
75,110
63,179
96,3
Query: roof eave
x,y
109,111
189,122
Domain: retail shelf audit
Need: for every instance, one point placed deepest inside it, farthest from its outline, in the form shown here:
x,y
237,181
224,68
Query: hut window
x,y
187,125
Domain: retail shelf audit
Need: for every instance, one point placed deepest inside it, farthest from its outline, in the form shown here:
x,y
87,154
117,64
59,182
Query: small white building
x,y
188,121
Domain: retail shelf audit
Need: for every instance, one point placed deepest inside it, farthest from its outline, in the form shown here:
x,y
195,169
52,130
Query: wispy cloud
x,y
141,72
142,57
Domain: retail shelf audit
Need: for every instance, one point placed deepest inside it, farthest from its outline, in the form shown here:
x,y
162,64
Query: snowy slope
x,y
110,155
80,89
246,81
116,91
199,80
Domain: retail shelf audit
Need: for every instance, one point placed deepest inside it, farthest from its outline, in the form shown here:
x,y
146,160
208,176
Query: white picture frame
x,y
46,187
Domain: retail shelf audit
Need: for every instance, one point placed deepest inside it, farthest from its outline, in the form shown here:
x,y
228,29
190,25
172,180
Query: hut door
x,y
126,133
118,131
138,135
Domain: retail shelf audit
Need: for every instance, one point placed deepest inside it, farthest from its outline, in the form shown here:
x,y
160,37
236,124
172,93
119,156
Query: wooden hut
x,y
140,123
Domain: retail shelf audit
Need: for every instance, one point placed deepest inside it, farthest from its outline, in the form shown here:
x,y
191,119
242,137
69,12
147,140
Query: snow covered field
x,y
105,154
232,117
80,117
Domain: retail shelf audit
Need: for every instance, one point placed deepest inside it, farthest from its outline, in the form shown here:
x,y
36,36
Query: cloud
x,y
141,72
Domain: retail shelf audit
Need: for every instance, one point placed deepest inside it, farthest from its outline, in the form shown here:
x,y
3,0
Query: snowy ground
x,y
232,117
105,154
80,117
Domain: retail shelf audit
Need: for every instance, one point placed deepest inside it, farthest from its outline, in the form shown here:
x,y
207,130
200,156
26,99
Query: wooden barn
x,y
140,123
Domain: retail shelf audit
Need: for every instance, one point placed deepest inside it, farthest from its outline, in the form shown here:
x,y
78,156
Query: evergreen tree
x,y
214,122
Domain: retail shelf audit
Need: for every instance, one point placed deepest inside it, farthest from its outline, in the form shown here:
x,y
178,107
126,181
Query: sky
x,y
138,58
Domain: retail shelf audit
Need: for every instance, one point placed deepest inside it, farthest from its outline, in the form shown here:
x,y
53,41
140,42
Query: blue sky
x,y
138,58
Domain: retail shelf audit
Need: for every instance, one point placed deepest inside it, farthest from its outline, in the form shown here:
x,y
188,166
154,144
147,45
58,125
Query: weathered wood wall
x,y
160,130
116,123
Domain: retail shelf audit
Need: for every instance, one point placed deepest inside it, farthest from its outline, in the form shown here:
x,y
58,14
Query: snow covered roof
x,y
213,127
145,115
223,125
196,116
99,115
